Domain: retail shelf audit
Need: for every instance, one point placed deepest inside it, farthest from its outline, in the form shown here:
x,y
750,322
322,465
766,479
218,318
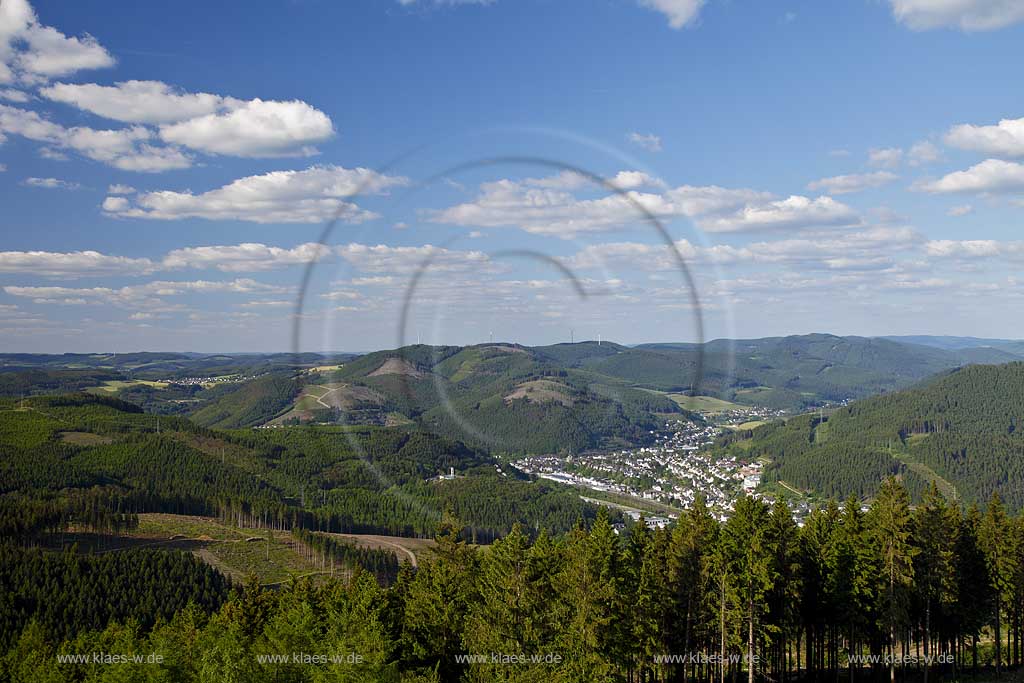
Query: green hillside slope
x,y
94,458
962,430
250,403
508,398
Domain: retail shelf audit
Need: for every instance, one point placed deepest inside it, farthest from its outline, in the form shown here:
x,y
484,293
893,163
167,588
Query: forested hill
x,y
790,372
964,430
584,392
491,386
504,397
95,459
248,404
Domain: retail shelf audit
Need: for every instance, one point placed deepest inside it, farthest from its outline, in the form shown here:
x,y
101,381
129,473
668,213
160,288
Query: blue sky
x,y
852,167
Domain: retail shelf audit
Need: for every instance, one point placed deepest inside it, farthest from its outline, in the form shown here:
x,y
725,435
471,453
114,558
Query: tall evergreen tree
x,y
438,601
973,606
995,539
935,539
690,581
891,524
587,588
746,543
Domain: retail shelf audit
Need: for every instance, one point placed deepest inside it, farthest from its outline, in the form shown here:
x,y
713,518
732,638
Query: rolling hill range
x,y
569,397
239,390
508,398
792,372
1012,347
505,397
148,365
962,430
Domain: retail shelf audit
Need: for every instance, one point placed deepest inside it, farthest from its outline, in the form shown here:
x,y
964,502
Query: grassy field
x,y
704,404
307,402
326,368
167,526
313,394
623,502
273,557
84,438
761,395
115,385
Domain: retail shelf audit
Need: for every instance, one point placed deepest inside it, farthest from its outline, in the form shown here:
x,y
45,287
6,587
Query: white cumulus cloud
x,y
537,209
71,264
923,153
630,180
254,129
205,122
51,183
793,213
12,95
546,209
313,195
134,101
649,141
31,53
383,258
247,257
679,13
990,176
129,149
855,182
887,157
967,15
1006,138
150,294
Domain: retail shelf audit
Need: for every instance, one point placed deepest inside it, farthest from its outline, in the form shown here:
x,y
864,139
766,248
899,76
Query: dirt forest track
x,y
406,548
274,557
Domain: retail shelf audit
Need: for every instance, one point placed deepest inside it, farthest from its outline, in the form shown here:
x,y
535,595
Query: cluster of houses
x,y
225,379
676,468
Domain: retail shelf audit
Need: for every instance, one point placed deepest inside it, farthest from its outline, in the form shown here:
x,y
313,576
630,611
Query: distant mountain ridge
x,y
1010,347
951,342
796,371
558,397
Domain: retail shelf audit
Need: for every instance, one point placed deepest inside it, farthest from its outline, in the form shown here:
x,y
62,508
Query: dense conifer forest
x,y
60,453
66,592
887,592
961,430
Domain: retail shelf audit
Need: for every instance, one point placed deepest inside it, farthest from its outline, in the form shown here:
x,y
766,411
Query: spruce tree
x,y
935,538
995,539
745,541
891,524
